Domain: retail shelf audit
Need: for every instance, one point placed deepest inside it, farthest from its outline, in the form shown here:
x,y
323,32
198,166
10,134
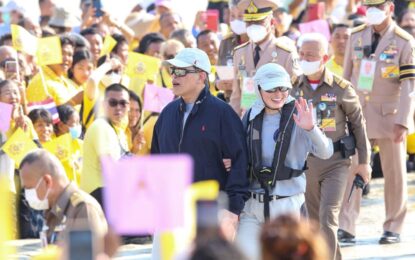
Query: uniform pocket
x,y
389,108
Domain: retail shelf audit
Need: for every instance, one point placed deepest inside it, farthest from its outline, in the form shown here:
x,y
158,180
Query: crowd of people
x,y
284,118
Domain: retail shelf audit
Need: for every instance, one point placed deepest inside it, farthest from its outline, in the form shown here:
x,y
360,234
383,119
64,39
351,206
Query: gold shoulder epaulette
x,y
284,46
359,28
402,33
76,199
294,80
240,46
227,36
341,81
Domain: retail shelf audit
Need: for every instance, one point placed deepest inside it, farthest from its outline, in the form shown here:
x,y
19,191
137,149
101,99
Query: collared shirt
x,y
334,67
74,209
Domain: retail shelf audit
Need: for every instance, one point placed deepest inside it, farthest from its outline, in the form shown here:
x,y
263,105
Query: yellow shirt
x,y
59,88
100,140
334,67
73,165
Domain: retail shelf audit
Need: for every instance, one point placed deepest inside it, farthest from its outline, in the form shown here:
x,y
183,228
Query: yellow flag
x,y
204,190
23,40
109,44
49,51
60,147
6,222
18,146
167,245
142,66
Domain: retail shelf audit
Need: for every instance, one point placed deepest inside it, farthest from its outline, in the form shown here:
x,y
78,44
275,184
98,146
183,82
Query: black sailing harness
x,y
267,176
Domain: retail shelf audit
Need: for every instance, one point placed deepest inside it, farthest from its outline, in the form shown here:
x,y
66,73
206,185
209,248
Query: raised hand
x,y
304,116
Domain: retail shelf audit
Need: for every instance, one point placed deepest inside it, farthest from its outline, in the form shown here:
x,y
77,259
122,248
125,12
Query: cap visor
x,y
178,63
271,85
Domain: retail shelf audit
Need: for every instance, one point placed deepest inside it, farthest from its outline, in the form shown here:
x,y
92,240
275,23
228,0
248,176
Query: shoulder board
x,y
294,80
227,36
359,28
240,46
284,46
76,199
341,81
402,33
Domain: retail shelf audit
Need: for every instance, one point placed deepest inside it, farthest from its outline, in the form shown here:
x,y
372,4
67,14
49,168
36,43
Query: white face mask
x,y
112,78
375,16
238,27
33,199
310,68
256,32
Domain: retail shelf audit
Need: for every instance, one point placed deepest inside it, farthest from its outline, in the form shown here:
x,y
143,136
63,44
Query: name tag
x,y
366,75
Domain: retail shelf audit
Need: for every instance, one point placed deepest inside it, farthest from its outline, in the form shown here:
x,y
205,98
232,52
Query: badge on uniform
x,y
390,72
326,115
366,75
329,97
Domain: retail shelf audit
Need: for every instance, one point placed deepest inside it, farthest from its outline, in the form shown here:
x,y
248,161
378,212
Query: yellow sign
x,y
23,41
18,146
60,147
49,51
109,44
142,66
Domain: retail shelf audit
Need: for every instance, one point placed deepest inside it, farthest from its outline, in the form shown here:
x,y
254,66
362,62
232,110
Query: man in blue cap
x,y
280,135
205,127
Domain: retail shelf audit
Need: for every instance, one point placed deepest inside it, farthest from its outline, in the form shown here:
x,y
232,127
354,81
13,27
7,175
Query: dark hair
x,y
90,31
169,14
4,38
120,41
403,13
180,35
4,83
338,25
78,40
65,40
65,112
202,33
216,249
77,57
116,87
147,40
136,98
40,113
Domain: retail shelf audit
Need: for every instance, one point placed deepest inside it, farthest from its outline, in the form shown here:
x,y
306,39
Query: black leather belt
x,y
260,197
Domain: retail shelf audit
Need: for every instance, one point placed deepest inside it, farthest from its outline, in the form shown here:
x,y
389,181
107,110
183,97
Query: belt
x,y
260,197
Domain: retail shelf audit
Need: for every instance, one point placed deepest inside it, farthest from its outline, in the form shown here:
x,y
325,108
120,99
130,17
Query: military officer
x,y
380,63
66,206
338,113
262,47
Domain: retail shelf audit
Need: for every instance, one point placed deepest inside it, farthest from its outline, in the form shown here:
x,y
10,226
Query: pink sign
x,y
146,194
5,116
156,98
318,26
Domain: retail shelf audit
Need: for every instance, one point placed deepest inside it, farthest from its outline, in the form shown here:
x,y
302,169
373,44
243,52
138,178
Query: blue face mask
x,y
75,131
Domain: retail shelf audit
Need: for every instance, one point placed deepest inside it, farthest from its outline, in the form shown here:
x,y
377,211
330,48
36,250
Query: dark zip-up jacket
x,y
212,132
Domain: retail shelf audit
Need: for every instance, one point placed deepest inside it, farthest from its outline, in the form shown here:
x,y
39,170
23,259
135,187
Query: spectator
x,y
70,124
169,22
105,137
81,69
121,48
339,38
407,18
184,36
55,83
95,42
63,20
43,125
135,136
150,45
287,237
208,42
169,49
47,188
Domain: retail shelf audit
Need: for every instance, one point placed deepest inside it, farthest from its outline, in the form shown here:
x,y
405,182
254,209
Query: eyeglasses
x,y
179,72
273,90
115,103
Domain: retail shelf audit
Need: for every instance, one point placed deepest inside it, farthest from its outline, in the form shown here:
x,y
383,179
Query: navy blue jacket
x,y
213,131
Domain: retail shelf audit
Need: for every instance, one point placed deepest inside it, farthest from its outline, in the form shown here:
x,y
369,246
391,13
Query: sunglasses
x,y
179,72
115,103
273,90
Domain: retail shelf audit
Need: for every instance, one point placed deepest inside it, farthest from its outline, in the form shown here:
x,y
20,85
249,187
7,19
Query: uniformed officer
x,y
262,47
47,188
338,113
380,63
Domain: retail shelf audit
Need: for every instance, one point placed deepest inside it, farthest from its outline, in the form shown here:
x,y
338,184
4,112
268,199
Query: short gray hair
x,y
315,37
47,162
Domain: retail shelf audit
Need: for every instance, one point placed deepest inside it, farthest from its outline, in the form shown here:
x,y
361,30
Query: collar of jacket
x,y
202,96
327,78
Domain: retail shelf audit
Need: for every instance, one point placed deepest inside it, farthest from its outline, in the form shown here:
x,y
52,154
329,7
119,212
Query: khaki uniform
x,y
75,208
272,50
226,47
335,102
386,105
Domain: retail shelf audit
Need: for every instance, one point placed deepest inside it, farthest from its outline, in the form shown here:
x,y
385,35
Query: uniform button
x,y
367,98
